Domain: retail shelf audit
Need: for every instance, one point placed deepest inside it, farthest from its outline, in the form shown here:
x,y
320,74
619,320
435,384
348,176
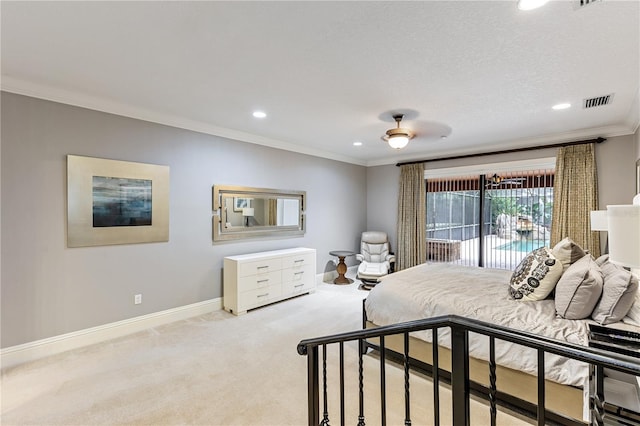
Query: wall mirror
x,y
242,212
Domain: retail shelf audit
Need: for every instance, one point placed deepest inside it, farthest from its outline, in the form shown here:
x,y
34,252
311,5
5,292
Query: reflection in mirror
x,y
251,212
243,212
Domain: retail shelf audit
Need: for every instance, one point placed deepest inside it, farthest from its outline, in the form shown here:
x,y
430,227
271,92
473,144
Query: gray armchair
x,y
375,257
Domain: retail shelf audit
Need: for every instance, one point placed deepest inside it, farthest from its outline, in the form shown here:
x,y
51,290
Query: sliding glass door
x,y
453,226
491,221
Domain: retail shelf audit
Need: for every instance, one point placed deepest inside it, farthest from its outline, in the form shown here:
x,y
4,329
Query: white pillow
x,y
618,293
567,252
633,316
536,276
579,289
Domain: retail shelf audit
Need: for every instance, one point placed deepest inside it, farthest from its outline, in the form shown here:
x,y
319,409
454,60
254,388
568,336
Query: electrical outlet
x,y
137,299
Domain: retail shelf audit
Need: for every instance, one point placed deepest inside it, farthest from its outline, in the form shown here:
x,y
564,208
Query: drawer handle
x,y
298,273
263,267
263,295
299,285
263,281
299,260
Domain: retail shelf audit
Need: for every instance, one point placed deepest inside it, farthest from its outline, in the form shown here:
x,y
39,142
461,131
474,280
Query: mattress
x,y
435,289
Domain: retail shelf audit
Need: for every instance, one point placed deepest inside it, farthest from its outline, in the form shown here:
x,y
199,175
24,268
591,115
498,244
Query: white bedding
x,y
431,290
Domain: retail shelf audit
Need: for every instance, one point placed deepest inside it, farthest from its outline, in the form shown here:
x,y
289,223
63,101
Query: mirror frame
x,y
638,176
240,233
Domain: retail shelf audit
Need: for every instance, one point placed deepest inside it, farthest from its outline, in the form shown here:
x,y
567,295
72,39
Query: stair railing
x,y
460,383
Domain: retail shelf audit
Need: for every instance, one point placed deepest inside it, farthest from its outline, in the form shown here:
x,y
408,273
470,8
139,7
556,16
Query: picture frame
x,y
116,202
240,203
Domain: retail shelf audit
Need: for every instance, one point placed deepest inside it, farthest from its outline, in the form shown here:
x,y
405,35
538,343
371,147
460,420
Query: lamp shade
x,y
623,223
247,211
599,220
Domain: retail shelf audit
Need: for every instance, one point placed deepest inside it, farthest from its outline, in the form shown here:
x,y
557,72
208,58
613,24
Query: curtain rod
x,y
506,151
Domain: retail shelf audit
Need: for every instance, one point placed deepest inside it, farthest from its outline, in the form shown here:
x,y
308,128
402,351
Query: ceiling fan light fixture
x,y
398,141
398,138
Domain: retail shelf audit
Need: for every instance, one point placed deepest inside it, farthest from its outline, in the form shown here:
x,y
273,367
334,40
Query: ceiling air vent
x,y
597,101
583,3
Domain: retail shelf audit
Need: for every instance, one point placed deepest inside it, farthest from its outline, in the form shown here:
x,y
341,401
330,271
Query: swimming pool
x,y
525,246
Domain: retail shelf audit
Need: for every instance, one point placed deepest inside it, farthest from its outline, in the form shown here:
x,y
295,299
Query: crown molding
x,y
633,117
49,93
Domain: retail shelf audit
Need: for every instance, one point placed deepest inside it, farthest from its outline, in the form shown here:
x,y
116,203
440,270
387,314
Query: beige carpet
x,y
217,369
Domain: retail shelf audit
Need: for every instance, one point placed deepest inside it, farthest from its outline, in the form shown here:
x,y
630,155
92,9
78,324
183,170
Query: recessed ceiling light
x,y
357,143
531,4
259,114
561,106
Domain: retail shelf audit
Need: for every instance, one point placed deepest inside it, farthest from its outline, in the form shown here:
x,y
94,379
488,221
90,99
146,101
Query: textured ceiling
x,y
331,73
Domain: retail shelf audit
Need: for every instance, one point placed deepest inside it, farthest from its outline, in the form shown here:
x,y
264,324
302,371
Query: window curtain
x,y
412,220
575,194
273,212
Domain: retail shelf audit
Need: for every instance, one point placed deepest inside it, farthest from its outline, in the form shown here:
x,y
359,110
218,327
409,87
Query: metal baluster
x,y
383,390
313,386
361,382
460,376
407,401
342,383
597,413
325,416
541,397
435,374
492,379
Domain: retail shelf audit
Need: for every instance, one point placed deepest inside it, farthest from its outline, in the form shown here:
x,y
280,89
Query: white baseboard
x,y
31,351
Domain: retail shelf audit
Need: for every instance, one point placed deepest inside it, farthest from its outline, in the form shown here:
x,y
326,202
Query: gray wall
x,y
382,200
616,170
616,178
49,289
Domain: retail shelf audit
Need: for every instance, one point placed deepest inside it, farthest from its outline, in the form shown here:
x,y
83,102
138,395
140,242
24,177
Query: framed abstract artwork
x,y
240,203
116,202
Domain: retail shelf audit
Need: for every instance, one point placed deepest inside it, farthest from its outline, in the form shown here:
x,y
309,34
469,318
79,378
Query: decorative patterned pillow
x,y
579,289
536,276
567,252
618,292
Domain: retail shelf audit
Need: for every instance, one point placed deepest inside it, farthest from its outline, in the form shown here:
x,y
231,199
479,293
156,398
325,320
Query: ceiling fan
x,y
496,180
399,137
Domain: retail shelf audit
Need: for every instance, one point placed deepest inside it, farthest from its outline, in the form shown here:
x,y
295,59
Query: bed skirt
x,y
513,387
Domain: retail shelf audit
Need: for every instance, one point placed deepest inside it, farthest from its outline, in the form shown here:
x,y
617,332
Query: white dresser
x,y
257,279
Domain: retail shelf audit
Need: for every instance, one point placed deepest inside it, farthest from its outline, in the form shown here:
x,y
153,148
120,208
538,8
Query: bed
x,y
435,289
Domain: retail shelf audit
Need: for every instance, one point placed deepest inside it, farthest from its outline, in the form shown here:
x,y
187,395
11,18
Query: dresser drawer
x,y
298,261
257,281
258,297
292,288
259,267
298,280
